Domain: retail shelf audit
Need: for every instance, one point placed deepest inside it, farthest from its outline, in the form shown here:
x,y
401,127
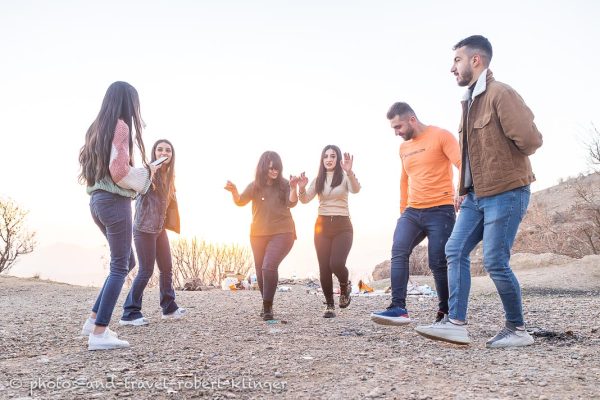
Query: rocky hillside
x,y
563,220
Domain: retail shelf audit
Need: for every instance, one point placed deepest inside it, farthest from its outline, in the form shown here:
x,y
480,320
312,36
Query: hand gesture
x,y
230,187
153,169
293,181
302,181
346,162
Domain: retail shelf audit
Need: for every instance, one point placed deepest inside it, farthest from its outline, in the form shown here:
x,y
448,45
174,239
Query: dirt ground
x,y
224,350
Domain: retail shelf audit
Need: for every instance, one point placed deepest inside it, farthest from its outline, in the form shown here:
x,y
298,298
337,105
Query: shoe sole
x,y
389,321
440,339
86,334
501,346
106,347
131,323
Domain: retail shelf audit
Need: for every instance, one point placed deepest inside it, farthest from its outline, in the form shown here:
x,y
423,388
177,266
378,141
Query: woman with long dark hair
x,y
151,240
333,228
112,181
272,232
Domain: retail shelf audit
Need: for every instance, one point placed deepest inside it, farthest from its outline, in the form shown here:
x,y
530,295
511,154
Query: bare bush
x,y
418,262
588,206
207,262
574,232
15,239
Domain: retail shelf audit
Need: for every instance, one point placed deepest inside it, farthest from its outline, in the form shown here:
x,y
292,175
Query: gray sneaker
x,y
510,338
445,331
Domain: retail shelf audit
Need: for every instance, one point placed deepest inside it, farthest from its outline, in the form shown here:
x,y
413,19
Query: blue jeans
x,y
151,248
112,214
413,226
495,220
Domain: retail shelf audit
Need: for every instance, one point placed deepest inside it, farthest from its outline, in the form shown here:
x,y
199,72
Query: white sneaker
x,y
105,341
445,331
89,325
509,338
135,322
177,314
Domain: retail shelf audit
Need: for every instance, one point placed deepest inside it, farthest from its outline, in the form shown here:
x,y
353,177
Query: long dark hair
x,y
165,175
121,101
262,174
338,173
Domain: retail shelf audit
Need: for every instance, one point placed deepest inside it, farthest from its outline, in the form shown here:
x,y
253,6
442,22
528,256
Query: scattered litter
x,y
233,281
276,321
420,290
378,292
284,288
364,288
312,284
548,334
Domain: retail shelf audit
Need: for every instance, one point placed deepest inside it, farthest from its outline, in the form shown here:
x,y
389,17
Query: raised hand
x,y
302,181
347,161
230,187
293,182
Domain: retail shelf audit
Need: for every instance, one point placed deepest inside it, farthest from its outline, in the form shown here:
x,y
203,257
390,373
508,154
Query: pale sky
x,y
227,80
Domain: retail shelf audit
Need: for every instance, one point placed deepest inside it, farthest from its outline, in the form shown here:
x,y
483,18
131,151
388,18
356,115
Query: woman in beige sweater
x,y
333,228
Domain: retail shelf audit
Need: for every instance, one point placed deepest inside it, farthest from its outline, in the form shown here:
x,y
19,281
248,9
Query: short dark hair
x,y
479,43
400,109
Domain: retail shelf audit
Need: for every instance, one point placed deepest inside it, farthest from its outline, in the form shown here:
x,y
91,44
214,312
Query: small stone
x,y
542,383
278,374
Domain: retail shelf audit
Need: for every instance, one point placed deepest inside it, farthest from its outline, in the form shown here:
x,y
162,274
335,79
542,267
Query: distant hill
x,y
563,219
62,262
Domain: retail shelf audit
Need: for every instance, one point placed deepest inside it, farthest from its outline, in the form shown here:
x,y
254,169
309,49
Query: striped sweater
x,y
124,179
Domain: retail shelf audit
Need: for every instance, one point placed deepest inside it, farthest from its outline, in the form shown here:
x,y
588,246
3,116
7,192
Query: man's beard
x,y
466,78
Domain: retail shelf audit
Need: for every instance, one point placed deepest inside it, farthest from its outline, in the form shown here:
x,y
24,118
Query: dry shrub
x,y
205,263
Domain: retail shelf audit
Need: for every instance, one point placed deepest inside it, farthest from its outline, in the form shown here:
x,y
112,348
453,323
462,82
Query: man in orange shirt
x,y
426,207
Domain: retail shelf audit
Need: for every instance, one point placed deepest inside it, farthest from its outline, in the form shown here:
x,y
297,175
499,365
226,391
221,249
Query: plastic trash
x,y
227,283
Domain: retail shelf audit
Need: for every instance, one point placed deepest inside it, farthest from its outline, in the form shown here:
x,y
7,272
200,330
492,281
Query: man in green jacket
x,y
497,135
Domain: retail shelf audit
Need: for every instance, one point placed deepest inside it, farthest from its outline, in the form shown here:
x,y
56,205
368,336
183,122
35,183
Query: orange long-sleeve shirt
x,y
426,178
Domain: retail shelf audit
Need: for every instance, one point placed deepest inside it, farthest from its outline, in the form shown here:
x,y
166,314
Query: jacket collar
x,y
480,85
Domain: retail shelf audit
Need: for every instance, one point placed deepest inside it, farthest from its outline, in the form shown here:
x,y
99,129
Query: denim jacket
x,y
150,210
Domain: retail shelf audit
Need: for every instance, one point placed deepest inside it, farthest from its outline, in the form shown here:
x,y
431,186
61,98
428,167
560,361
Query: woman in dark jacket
x,y
272,232
155,212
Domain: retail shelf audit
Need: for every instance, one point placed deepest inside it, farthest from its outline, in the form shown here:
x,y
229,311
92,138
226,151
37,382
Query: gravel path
x,y
223,350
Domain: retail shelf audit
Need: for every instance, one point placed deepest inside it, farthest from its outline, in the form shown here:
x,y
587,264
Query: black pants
x,y
333,241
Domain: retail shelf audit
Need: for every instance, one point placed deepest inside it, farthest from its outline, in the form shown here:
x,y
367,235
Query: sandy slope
x,y
307,357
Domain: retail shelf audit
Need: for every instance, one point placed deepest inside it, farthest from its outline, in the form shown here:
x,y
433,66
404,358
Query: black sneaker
x,y
329,311
345,290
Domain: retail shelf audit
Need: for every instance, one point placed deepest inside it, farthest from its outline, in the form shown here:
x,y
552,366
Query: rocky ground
x,y
224,350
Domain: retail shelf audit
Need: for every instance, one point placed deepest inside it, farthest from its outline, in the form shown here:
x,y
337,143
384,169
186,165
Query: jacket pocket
x,y
481,122
496,156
